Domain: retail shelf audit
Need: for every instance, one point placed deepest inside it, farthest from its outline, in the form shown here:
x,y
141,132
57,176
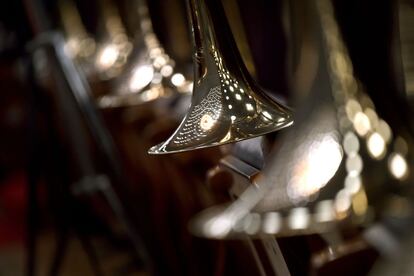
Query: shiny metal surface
x,y
79,43
150,73
332,168
115,48
227,105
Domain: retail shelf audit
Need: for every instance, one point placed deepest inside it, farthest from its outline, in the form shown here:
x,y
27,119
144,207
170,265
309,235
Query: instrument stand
x,y
73,98
243,175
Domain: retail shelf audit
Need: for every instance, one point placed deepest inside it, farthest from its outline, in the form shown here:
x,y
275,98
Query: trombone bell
x,y
227,105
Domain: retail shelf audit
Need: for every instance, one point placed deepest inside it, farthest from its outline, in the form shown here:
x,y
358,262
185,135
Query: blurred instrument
x,y
337,166
150,73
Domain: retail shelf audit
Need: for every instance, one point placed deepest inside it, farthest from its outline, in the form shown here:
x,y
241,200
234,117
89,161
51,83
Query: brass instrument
x,y
113,53
333,167
150,73
227,105
80,44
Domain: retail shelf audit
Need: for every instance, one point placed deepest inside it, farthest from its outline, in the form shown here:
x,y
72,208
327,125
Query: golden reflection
x,y
376,145
167,70
361,123
360,203
153,93
107,56
397,165
141,77
239,107
207,122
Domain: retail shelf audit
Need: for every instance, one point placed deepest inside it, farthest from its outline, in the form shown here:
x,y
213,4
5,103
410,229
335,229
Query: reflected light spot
x,y
231,88
230,106
141,77
108,56
360,203
178,79
309,176
72,47
154,52
361,123
238,97
227,137
267,115
207,122
218,227
151,94
249,107
272,223
160,61
376,145
190,86
166,70
398,166
233,118
299,218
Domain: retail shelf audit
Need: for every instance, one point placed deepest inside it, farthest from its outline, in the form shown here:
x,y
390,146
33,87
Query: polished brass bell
x,y
227,105
340,161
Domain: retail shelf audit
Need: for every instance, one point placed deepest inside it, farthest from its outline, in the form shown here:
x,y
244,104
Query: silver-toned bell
x,y
337,165
227,105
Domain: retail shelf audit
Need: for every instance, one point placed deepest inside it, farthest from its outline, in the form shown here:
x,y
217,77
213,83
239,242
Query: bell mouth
x,y
170,146
223,222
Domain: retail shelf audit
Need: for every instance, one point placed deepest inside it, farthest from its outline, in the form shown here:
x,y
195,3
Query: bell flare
x,y
219,120
224,222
